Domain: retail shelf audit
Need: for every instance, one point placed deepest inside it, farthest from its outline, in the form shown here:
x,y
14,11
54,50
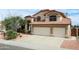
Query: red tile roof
x,y
45,10
48,11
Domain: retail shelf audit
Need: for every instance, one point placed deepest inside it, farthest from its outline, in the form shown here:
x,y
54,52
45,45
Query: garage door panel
x,y
41,31
59,32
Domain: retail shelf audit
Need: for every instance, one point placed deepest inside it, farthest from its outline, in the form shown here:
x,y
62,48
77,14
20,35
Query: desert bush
x,y
10,34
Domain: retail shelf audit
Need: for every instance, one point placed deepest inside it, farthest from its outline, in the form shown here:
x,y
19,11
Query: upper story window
x,y
38,18
53,18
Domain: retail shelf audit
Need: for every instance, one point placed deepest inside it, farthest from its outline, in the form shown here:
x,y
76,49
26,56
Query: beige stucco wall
x,y
59,17
41,14
69,30
46,17
26,28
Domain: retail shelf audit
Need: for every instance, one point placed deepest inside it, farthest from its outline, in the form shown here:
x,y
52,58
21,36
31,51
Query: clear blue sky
x,y
71,13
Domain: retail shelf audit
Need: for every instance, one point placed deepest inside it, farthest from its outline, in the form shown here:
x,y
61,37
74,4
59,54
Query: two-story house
x,y
50,23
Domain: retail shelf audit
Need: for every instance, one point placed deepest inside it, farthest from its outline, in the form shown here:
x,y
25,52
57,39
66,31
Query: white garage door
x,y
41,31
59,32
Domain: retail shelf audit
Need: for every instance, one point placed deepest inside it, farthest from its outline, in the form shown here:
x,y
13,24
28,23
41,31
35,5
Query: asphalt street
x,y
9,47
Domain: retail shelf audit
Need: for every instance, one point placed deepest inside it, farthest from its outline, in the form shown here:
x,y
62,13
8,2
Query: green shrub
x,y
10,34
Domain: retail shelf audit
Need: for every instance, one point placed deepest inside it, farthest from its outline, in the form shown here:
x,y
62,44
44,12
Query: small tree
x,y
14,23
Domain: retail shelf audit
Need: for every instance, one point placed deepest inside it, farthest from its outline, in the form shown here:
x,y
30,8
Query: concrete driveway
x,y
36,42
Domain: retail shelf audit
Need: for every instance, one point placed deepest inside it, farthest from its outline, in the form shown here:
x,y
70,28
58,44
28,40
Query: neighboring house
x,y
2,30
2,27
75,30
50,23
